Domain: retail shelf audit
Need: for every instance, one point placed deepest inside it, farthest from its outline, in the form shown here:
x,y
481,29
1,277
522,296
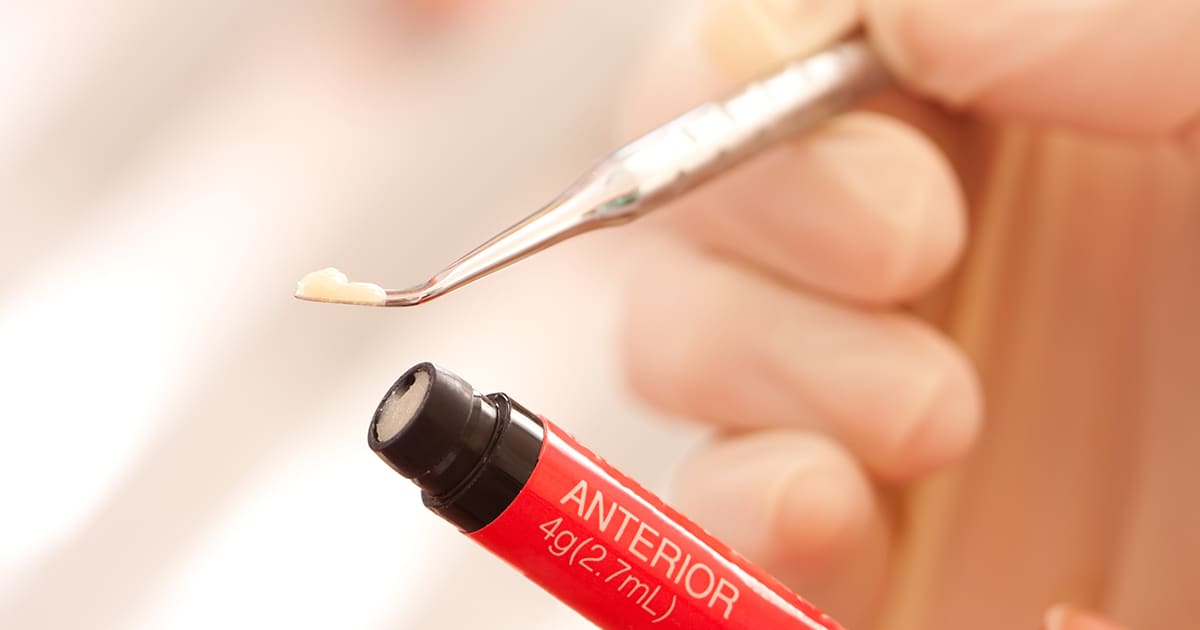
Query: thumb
x,y
1063,617
1125,66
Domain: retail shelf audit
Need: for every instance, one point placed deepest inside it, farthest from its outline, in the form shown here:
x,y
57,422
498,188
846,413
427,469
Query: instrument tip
x,y
332,286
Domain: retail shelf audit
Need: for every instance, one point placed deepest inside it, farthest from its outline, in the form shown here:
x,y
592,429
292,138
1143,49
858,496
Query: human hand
x,y
822,309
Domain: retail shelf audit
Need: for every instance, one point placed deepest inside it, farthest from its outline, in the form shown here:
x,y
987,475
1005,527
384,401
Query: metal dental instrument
x,y
671,161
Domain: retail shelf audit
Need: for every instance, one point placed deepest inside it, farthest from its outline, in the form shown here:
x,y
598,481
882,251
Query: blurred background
x,y
183,444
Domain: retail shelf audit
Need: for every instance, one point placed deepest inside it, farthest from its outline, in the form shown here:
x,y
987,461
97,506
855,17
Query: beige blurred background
x,y
183,444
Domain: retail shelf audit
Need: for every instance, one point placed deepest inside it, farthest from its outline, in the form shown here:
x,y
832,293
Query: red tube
x,y
618,555
589,535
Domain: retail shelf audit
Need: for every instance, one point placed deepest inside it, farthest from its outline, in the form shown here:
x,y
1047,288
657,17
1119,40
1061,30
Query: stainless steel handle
x,y
708,139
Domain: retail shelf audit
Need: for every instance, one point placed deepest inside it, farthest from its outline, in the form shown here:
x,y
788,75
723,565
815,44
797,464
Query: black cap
x,y
433,428
470,454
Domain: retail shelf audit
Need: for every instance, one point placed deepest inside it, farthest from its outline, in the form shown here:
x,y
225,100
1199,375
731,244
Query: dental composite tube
x,y
595,539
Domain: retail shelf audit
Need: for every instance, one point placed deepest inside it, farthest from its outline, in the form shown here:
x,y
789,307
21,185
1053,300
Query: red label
x,y
619,556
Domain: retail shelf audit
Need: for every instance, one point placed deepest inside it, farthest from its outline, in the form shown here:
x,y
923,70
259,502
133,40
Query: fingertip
x,y
1055,617
1067,617
900,33
946,428
748,37
797,504
1075,62
711,46
783,498
919,230
821,516
864,208
954,50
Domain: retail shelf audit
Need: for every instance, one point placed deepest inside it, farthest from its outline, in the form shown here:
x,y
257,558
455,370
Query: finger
x,y
714,341
798,505
864,209
747,37
715,45
721,43
1117,65
1064,617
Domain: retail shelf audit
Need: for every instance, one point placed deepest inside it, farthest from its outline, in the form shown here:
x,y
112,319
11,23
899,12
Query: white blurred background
x,y
182,444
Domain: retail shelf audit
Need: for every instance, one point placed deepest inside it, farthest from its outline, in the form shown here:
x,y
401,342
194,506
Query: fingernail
x,y
748,37
1056,617
819,517
1066,617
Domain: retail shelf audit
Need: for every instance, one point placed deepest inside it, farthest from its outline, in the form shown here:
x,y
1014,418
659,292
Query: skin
x,y
947,341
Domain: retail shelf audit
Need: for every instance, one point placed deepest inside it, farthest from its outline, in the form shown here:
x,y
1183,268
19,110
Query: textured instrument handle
x,y
706,140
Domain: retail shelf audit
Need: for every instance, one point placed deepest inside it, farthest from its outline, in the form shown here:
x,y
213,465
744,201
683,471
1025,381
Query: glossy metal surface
x,y
675,158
